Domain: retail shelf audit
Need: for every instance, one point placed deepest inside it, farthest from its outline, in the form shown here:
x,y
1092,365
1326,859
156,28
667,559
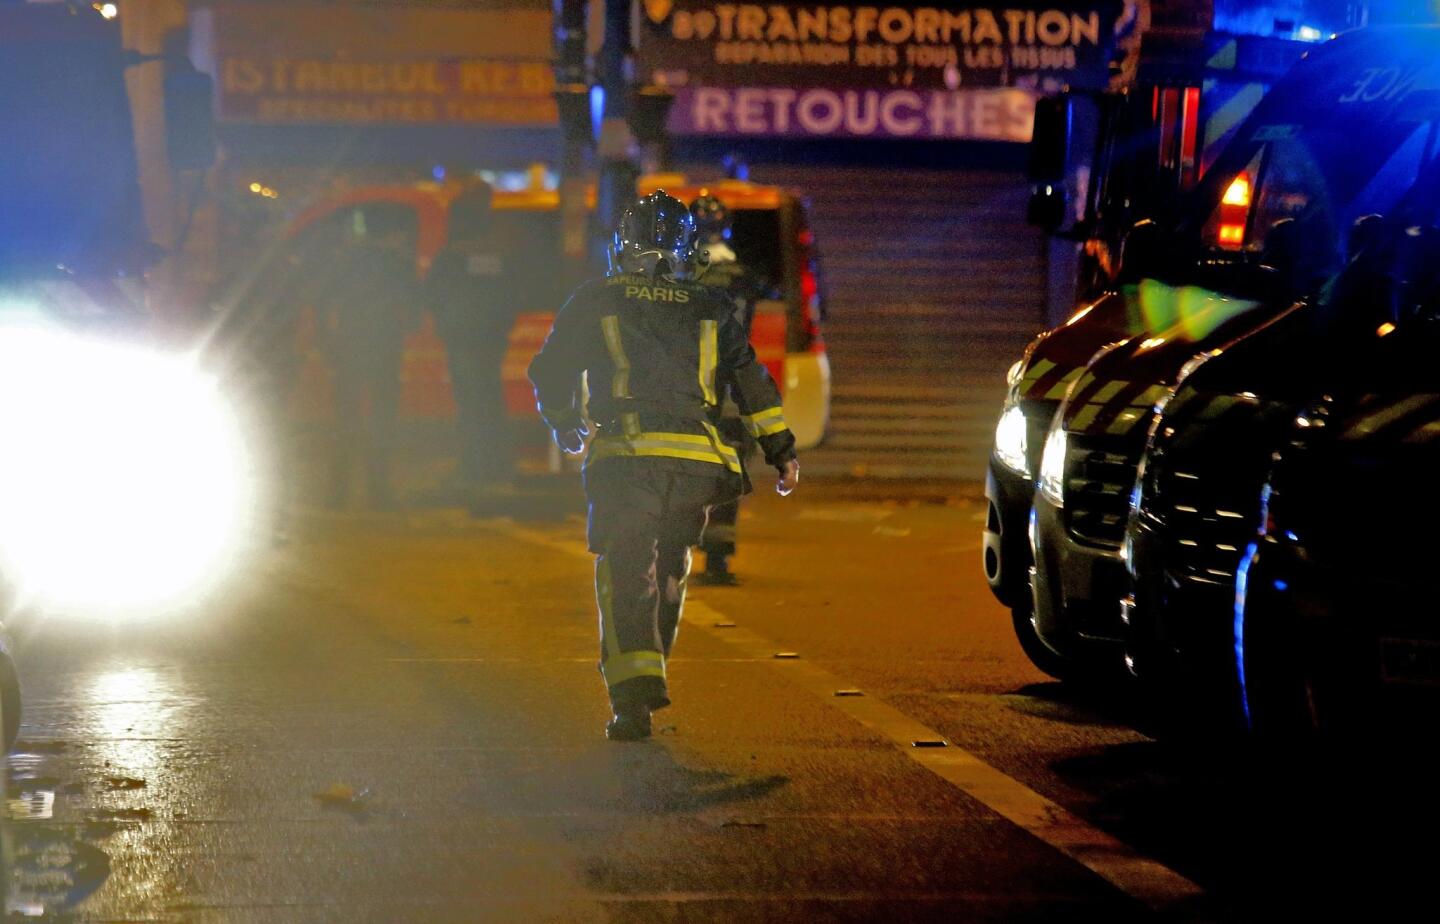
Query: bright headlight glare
x,y
125,483
1010,444
1052,467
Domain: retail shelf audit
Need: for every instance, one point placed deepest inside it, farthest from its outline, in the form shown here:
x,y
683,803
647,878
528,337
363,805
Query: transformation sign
x,y
906,70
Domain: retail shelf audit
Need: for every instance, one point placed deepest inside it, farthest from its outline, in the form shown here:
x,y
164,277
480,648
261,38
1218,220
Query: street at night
x,y
397,718
685,461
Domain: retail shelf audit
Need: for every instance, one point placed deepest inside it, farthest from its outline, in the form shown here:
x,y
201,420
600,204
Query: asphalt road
x,y
398,718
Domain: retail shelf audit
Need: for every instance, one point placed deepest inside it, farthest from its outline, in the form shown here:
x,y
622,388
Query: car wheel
x,y
9,699
1038,652
1280,693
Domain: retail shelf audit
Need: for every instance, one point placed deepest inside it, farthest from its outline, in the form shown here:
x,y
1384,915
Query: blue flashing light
x,y
1242,579
438,172
1290,534
597,108
1280,585
1309,34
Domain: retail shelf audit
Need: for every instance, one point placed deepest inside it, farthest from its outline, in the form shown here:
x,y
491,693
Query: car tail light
x,y
1235,212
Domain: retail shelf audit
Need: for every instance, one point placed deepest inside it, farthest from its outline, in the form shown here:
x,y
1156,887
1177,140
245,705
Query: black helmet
x,y
712,218
655,230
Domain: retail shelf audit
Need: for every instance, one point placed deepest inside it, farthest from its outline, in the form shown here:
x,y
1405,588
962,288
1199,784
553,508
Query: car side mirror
x,y
1049,162
189,116
1143,252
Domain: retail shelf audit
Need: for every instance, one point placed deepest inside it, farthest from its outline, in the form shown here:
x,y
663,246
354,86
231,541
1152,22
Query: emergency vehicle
x,y
1143,147
1261,232
1210,450
131,448
771,232
1332,629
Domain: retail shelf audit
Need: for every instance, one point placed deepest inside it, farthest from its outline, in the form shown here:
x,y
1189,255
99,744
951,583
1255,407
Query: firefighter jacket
x,y
658,355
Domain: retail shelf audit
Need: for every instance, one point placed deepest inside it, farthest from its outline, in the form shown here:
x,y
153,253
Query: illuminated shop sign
x,y
991,114
358,64
301,90
902,71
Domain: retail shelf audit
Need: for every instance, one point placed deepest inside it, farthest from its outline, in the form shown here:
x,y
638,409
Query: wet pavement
x,y
398,718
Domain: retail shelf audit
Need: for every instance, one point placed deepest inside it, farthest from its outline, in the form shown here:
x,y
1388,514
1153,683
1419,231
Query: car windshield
x,y
755,236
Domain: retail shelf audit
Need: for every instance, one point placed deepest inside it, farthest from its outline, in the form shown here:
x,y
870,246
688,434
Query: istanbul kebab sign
x,y
904,71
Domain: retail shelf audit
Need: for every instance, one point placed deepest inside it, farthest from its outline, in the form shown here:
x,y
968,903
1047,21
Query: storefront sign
x,y
319,91
309,64
993,114
899,71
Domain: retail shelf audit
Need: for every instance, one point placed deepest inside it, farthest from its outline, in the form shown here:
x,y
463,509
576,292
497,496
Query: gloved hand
x,y
572,439
789,478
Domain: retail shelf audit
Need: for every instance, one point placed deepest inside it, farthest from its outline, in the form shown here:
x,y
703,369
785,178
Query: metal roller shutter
x,y
934,285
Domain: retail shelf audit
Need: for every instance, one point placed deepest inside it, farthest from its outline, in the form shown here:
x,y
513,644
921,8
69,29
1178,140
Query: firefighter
x,y
717,265
658,352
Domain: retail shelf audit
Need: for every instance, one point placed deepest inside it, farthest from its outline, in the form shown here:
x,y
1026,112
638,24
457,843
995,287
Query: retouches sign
x,y
797,69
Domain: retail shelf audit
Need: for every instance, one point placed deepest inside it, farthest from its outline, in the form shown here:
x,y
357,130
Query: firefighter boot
x,y
717,572
630,723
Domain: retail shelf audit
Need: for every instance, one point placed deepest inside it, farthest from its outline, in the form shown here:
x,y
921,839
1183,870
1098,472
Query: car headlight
x,y
1052,465
1010,443
126,483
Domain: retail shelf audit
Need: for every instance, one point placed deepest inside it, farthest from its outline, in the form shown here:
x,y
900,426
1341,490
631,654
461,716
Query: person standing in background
x,y
371,303
718,266
471,292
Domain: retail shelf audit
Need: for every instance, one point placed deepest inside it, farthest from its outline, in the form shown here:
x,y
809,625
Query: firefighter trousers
x,y
721,531
645,514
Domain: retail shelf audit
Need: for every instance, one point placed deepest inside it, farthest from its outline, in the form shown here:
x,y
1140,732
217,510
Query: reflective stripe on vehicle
x,y
1058,390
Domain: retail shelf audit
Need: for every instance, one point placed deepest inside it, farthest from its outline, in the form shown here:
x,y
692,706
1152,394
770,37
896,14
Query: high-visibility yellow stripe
x,y
709,356
619,666
1037,370
1108,391
1379,420
604,595
1059,388
1086,416
726,451
764,423
669,445
1149,396
628,665
1124,422
1217,406
620,383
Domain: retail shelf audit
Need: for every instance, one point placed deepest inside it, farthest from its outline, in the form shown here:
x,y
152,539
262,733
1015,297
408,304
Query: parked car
x,y
1262,231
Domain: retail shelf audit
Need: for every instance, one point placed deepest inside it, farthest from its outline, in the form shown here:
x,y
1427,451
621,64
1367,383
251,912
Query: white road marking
x,y
1148,881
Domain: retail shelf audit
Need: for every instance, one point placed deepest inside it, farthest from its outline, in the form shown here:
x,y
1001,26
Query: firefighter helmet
x,y
712,218
653,237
